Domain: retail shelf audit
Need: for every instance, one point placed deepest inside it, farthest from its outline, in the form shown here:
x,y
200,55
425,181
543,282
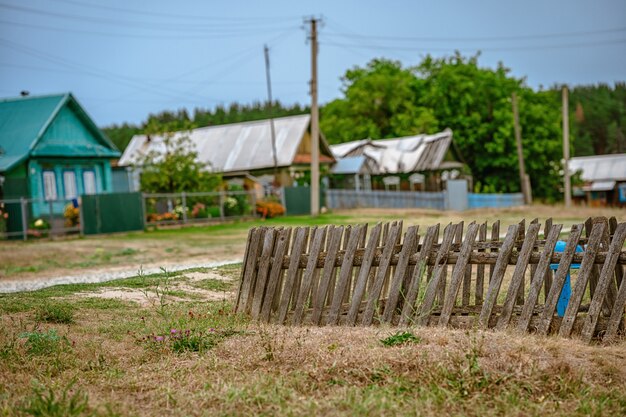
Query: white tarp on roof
x,y
233,147
400,155
600,167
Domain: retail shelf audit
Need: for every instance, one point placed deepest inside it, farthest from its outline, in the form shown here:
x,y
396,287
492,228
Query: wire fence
x,y
35,218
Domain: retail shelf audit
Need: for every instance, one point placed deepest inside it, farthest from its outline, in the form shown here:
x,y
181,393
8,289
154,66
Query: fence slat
x,y
619,270
250,274
606,275
263,270
480,269
329,267
243,269
400,272
498,274
458,273
274,279
364,272
617,315
538,279
581,281
381,274
317,244
343,284
547,283
297,248
517,281
495,237
559,280
440,265
408,309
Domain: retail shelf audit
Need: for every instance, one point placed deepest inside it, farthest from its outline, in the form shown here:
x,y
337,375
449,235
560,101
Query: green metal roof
x,y
29,126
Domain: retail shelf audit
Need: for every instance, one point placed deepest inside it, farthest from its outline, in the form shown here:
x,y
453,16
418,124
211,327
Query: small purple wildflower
x,y
173,331
159,338
212,330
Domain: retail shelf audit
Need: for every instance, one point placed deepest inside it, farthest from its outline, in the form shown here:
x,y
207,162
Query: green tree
x,y
380,102
177,168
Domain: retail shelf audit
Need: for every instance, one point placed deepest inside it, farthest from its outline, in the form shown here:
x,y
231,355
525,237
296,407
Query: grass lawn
x,y
201,244
168,344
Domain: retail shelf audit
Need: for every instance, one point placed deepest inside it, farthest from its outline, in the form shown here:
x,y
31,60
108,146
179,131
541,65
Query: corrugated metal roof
x,y
400,155
350,165
25,120
233,147
600,167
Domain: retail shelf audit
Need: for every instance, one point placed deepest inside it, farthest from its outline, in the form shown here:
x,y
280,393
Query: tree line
x,y
384,99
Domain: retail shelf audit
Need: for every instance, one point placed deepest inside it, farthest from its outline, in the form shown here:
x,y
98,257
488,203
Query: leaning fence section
x,y
455,275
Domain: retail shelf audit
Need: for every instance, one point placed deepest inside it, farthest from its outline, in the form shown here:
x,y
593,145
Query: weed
x,y
61,313
400,338
45,403
161,290
44,343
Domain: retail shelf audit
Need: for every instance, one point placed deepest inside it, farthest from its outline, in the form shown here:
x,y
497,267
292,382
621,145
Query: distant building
x,y
244,151
604,179
51,150
395,163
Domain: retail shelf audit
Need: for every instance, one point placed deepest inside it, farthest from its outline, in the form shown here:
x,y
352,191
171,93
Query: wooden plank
x,y
495,237
357,269
581,281
392,268
521,234
617,315
274,279
249,278
329,267
408,309
244,265
458,273
619,270
593,279
606,276
399,273
533,267
458,240
498,275
297,248
537,279
343,284
433,284
480,269
548,276
363,274
309,274
559,280
381,273
263,271
518,276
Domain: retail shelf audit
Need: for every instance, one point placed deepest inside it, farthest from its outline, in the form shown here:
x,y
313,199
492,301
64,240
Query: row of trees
x,y
385,99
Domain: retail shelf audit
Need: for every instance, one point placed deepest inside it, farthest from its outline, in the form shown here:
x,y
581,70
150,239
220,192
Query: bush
x,y
44,343
45,403
269,209
72,215
55,313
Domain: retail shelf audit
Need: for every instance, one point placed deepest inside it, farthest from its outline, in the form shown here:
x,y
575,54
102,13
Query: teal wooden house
x,y
51,151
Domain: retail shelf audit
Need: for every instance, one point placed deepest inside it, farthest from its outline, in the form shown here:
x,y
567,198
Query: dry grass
x,y
252,369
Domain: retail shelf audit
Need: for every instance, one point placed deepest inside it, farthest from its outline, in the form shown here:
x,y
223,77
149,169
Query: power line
x,y
468,49
475,39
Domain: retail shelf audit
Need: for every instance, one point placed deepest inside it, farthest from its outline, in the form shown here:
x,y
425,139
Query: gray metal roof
x,y
400,155
600,167
351,165
234,147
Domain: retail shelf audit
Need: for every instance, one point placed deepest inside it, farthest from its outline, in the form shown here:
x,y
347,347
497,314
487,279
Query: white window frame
x,y
92,175
69,185
49,185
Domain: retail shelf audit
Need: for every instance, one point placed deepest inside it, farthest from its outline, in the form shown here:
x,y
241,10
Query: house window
x,y
49,186
69,183
89,182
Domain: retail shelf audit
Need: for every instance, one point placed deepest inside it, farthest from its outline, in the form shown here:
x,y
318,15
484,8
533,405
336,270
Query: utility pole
x,y
269,97
524,183
566,178
315,140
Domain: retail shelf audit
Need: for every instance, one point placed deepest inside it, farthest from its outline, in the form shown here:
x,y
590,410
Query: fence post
x,y
252,194
222,205
184,202
143,208
23,208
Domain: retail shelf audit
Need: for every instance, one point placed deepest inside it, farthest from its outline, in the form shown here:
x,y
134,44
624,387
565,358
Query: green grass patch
x,y
61,313
400,338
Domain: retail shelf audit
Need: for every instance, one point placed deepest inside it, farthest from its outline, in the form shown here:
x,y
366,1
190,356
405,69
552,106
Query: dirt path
x,y
98,275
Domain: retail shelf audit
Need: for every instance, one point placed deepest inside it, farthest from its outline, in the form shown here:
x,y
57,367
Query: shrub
x,y
44,343
72,215
269,209
55,313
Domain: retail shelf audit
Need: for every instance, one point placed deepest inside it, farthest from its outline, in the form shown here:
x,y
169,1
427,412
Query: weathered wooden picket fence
x,y
338,275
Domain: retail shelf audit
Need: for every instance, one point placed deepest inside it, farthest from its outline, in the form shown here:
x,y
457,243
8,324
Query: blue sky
x,y
124,59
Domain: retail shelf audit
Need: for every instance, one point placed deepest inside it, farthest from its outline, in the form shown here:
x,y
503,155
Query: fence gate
x,y
458,276
110,213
